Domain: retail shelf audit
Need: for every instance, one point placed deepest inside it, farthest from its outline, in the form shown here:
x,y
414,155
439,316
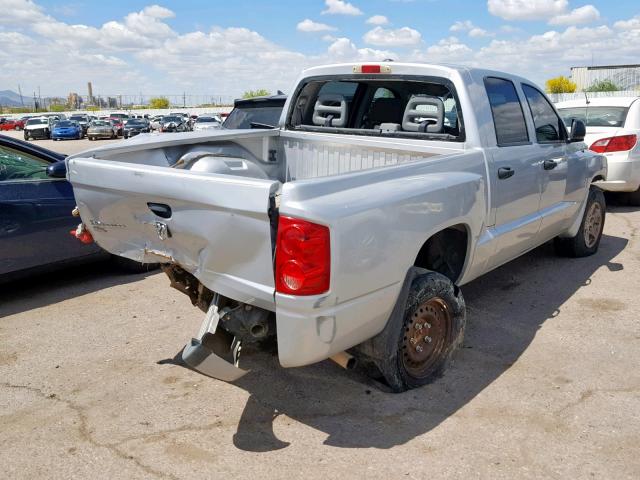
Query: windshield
x,y
172,119
206,120
100,123
65,124
595,116
37,121
243,117
78,118
135,122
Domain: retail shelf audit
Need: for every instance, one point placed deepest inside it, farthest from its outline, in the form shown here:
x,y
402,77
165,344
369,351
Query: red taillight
x,y
371,69
303,257
614,144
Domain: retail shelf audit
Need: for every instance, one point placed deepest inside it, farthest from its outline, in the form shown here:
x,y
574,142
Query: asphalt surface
x,y
67,146
546,386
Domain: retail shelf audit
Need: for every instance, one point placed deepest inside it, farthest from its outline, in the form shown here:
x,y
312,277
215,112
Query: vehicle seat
x,y
330,110
423,113
383,110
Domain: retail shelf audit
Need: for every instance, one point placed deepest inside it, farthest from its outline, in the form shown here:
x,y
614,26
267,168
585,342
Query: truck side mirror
x,y
578,131
57,170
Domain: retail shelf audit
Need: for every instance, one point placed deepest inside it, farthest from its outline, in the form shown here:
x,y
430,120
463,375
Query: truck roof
x,y
406,68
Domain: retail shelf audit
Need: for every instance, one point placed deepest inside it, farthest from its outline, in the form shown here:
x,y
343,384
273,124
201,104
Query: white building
x,y
625,77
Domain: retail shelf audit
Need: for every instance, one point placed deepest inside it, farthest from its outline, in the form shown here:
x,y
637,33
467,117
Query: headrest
x,y
330,111
423,113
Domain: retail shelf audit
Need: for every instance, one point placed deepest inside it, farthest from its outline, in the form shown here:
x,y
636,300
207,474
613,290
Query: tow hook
x,y
214,352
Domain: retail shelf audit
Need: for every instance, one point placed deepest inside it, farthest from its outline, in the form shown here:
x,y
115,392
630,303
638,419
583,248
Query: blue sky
x,y
223,47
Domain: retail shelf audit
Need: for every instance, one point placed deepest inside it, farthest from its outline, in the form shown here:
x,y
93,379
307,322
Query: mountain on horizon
x,y
9,98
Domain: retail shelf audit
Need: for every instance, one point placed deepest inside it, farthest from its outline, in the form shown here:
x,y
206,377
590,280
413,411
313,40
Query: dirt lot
x,y
547,385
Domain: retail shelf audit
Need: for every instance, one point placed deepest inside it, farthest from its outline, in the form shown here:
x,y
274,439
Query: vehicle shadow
x,y
46,288
505,310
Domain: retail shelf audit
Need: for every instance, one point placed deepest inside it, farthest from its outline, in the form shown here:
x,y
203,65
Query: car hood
x,y
37,127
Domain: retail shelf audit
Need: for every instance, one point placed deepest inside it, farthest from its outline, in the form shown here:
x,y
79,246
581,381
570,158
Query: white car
x,y
207,122
613,128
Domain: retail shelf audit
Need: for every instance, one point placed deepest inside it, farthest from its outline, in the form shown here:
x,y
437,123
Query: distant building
x,y
625,77
74,100
90,92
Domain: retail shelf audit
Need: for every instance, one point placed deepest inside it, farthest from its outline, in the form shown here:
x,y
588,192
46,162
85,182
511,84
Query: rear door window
x,y
508,117
549,127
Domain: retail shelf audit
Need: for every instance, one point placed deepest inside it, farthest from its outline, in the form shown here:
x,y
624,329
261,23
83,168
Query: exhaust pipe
x,y
345,360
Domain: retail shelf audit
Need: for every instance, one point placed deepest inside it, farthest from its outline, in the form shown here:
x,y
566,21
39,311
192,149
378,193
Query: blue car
x,y
35,213
67,129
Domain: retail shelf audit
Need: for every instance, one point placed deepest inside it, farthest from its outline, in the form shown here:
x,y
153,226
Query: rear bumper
x,y
623,173
310,331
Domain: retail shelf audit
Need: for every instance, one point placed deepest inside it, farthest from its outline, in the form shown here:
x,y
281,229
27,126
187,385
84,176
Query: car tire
x,y
131,266
421,346
587,240
633,198
26,137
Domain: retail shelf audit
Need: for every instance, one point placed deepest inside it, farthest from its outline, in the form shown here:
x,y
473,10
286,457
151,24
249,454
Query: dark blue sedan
x,y
67,129
35,212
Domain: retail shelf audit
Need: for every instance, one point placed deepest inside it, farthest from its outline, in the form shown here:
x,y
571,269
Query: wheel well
x,y
597,178
445,252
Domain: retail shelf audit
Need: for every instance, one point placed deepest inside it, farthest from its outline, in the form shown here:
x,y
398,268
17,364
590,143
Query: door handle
x,y
549,164
505,172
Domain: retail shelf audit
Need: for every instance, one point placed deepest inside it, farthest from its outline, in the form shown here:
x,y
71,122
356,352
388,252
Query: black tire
x,y
587,240
26,137
131,266
431,331
633,198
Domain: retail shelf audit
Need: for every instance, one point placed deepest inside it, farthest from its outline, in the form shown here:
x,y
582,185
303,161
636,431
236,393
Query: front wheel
x,y
431,331
26,137
587,240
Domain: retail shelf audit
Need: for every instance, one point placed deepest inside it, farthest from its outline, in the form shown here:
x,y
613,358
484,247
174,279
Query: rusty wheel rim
x,y
593,225
425,337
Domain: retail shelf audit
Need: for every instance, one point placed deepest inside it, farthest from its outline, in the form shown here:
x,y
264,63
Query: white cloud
x,y
527,9
308,25
344,49
340,7
398,37
470,28
631,24
378,20
461,26
578,16
447,50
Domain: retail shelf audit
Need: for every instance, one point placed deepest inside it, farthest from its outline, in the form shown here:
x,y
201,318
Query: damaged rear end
x,y
213,234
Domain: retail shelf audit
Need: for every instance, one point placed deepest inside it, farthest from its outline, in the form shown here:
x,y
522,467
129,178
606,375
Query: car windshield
x,y
595,116
206,120
135,121
243,117
172,119
65,124
100,123
78,118
37,121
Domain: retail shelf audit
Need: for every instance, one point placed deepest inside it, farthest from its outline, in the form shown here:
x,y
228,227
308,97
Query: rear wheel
x,y
587,240
432,329
26,135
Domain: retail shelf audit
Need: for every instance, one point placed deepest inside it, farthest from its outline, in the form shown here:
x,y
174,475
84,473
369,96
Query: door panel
x,y
35,220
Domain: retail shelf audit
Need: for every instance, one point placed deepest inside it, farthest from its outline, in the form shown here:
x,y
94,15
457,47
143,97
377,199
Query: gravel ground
x,y
546,386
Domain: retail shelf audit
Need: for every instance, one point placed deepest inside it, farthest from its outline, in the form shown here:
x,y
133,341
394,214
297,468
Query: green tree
x,y
603,86
560,84
261,92
159,102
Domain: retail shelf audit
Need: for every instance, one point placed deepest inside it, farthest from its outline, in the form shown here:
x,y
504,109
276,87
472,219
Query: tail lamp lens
x,y
614,144
303,257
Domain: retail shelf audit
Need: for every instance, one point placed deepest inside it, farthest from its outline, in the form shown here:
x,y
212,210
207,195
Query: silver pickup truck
x,y
347,231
